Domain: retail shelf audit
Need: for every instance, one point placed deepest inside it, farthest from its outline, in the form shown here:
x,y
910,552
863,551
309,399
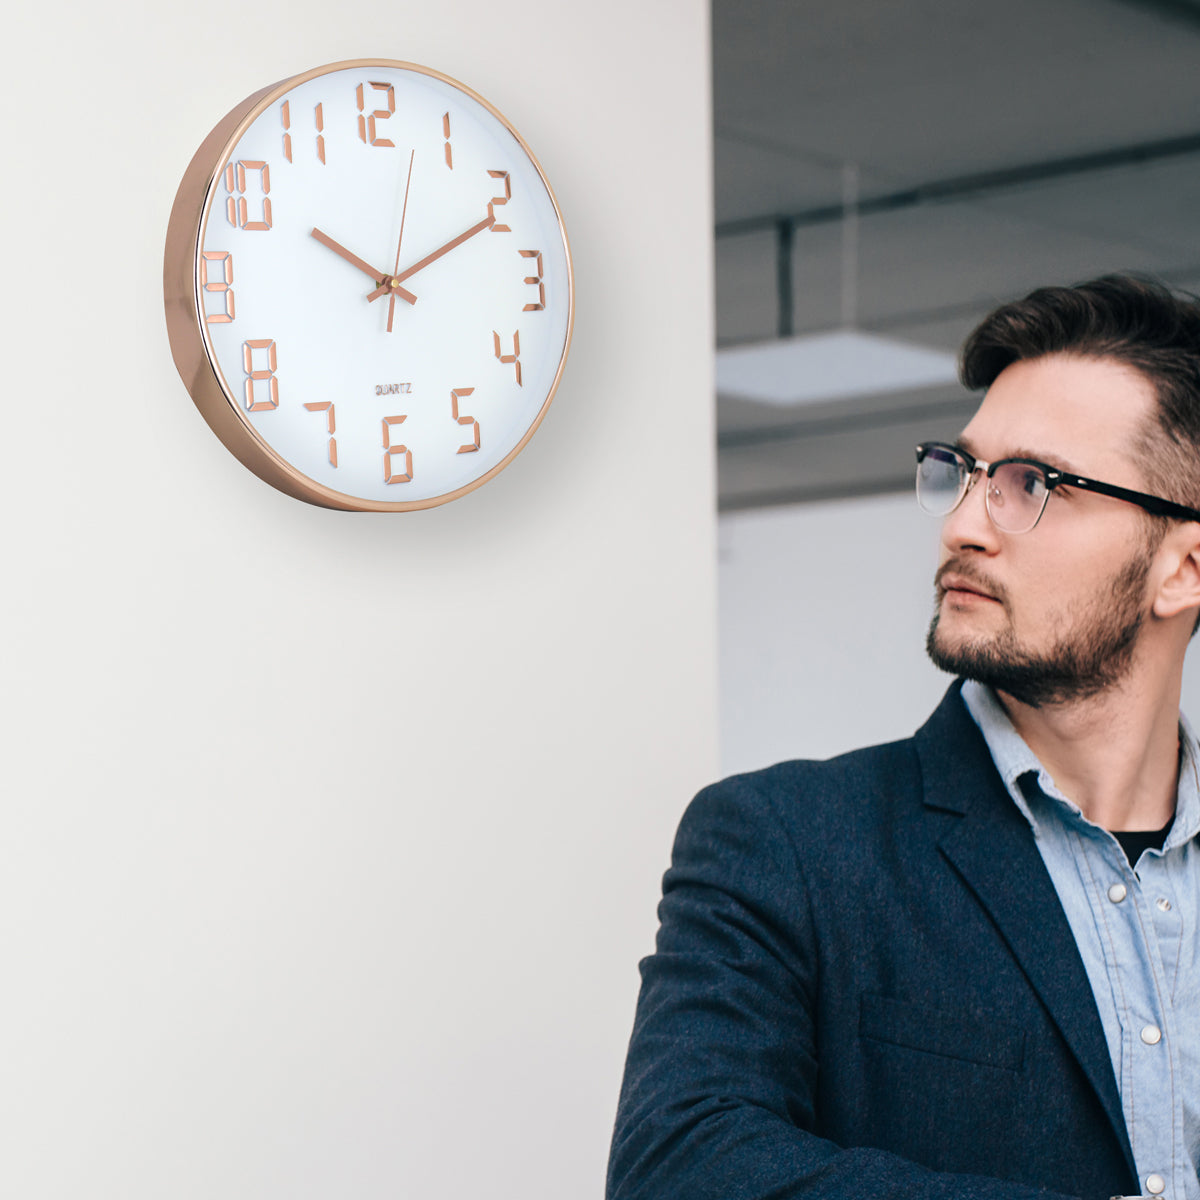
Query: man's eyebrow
x,y
1043,456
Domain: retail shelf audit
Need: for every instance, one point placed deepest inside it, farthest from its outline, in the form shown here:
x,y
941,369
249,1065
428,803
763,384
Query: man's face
x,y
1053,614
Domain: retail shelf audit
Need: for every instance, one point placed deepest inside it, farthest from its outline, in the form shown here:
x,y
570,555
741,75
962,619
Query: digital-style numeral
x,y
222,286
285,113
446,135
455,396
238,210
330,425
260,375
366,122
389,474
496,201
535,279
515,357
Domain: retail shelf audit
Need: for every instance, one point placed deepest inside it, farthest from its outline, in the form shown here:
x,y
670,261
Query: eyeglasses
x,y
1017,488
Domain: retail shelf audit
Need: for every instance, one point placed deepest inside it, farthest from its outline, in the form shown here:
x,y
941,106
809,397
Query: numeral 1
x,y
389,474
220,286
286,113
330,425
514,357
455,396
260,374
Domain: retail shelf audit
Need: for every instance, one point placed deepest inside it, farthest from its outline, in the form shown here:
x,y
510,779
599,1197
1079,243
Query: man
x,y
967,964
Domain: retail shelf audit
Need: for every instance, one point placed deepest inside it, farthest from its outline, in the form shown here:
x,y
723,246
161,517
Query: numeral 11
x,y
285,113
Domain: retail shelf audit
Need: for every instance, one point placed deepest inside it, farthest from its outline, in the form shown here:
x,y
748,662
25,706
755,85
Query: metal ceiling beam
x,y
963,186
775,497
849,422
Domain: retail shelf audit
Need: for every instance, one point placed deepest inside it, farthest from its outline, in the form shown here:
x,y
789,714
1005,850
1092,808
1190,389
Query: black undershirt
x,y
1134,841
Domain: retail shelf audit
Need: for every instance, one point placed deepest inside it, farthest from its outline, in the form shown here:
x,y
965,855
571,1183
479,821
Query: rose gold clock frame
x,y
188,335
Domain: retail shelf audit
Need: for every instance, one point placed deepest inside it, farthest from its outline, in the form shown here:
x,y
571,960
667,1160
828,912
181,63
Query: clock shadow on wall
x,y
368,286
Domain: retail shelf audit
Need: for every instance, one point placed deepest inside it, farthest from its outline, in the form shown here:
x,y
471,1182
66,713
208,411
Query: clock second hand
x,y
355,261
393,282
400,242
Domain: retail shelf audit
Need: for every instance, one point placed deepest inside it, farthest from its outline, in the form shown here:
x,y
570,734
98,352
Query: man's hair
x,y
1130,319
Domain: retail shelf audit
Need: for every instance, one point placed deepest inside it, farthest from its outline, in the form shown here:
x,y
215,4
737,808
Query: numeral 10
x,y
237,211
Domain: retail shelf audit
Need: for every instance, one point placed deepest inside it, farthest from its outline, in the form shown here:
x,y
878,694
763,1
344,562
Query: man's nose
x,y
969,527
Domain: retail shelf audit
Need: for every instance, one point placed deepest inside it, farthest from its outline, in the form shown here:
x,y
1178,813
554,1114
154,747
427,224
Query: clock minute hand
x,y
364,267
394,281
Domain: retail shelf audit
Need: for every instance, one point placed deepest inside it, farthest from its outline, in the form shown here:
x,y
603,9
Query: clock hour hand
x,y
393,282
365,267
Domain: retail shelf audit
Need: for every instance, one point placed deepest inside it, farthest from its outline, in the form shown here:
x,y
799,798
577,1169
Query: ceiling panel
x,y
935,88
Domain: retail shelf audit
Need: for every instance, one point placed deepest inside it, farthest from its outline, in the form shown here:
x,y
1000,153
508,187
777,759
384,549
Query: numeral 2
x,y
496,201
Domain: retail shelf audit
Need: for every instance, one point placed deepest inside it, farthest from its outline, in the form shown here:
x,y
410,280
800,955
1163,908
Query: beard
x,y
1091,657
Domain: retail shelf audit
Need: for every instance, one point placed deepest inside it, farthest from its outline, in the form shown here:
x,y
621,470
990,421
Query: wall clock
x,y
368,286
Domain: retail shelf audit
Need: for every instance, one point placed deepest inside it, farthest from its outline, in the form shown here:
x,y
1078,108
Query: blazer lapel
x,y
994,852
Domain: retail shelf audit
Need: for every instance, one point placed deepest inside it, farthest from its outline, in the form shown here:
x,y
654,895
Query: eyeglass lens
x,y
1016,492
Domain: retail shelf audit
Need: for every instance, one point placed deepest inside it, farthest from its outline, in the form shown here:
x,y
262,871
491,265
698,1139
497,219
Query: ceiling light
x,y
829,366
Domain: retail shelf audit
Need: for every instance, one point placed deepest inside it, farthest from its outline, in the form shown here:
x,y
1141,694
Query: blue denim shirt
x,y
1136,929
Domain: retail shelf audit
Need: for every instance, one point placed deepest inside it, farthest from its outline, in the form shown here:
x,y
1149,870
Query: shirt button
x,y
1163,903
1156,1185
1117,893
1152,1035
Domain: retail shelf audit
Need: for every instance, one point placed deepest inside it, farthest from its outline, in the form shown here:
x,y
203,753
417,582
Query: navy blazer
x,y
865,986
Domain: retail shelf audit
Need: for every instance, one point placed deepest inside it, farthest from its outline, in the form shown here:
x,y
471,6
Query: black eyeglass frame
x,y
1056,478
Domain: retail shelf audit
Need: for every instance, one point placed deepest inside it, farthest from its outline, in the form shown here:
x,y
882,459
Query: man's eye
x,y
1032,482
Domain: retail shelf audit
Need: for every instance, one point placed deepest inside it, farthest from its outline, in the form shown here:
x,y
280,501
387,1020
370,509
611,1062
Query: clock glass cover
x,y
368,286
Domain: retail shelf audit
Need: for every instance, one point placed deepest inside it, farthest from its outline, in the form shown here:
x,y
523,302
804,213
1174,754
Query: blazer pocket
x,y
967,1035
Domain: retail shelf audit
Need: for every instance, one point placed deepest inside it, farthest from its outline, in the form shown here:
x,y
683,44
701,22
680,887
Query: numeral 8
x,y
260,374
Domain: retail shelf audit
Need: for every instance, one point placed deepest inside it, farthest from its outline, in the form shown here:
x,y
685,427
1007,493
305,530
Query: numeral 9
x,y
221,286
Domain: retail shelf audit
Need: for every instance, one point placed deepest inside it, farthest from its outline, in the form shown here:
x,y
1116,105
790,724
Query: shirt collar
x,y
1016,762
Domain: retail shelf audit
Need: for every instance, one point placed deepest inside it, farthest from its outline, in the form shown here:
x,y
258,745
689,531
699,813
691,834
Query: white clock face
x,y
382,284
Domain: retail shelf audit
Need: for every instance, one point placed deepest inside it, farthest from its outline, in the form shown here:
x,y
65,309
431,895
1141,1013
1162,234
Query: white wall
x,y
823,611
330,842
823,614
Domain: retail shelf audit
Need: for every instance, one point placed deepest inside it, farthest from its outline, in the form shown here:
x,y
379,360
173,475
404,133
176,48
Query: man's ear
x,y
1179,566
